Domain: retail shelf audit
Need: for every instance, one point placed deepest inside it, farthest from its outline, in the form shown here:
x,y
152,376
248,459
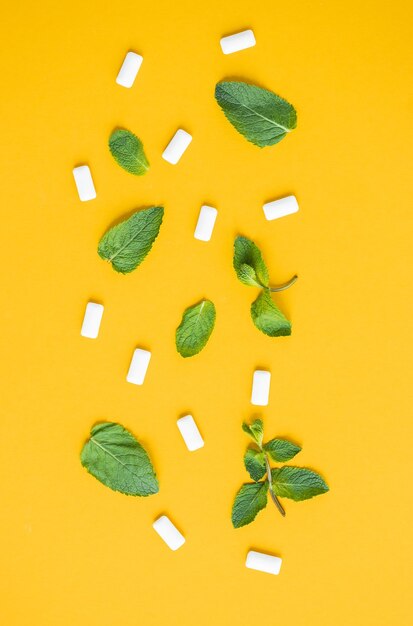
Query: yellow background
x,y
75,553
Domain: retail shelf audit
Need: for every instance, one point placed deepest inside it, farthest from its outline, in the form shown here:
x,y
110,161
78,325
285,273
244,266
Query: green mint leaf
x,y
297,483
195,328
254,461
249,264
268,318
247,275
260,115
117,459
249,501
127,150
127,244
281,450
255,430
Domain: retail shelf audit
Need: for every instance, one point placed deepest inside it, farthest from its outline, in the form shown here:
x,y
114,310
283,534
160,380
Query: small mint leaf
x,y
254,461
268,318
195,328
255,430
249,501
297,483
247,275
127,150
281,450
249,264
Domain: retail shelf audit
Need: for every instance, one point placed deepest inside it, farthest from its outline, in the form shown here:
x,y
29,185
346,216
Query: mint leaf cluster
x,y
112,454
295,483
251,270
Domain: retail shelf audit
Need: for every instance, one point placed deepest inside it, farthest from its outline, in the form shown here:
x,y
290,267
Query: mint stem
x,y
272,494
286,285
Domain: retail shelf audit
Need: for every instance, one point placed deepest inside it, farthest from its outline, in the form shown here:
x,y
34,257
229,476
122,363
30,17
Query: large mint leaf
x,y
195,328
268,318
297,483
281,450
249,501
127,244
249,264
117,459
255,430
260,115
127,150
254,461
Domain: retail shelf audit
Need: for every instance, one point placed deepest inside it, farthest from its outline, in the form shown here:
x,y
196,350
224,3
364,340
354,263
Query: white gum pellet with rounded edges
x,y
84,183
280,208
168,532
260,388
206,223
263,562
177,146
91,320
138,367
239,41
129,70
190,433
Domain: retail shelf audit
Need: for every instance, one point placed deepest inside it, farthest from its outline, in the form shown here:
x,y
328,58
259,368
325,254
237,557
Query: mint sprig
x,y
249,264
251,270
296,483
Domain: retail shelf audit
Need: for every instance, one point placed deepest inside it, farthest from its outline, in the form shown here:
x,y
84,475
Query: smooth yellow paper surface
x,y
72,551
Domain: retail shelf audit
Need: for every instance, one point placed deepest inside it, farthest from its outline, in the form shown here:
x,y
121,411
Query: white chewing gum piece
x,y
177,146
206,223
168,532
238,41
260,388
129,70
138,367
190,433
91,320
263,562
84,183
280,208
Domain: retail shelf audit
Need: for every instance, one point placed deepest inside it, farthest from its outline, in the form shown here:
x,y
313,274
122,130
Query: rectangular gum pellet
x,y
91,320
260,388
177,146
130,67
190,433
206,222
263,562
168,532
237,42
280,208
84,183
138,367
